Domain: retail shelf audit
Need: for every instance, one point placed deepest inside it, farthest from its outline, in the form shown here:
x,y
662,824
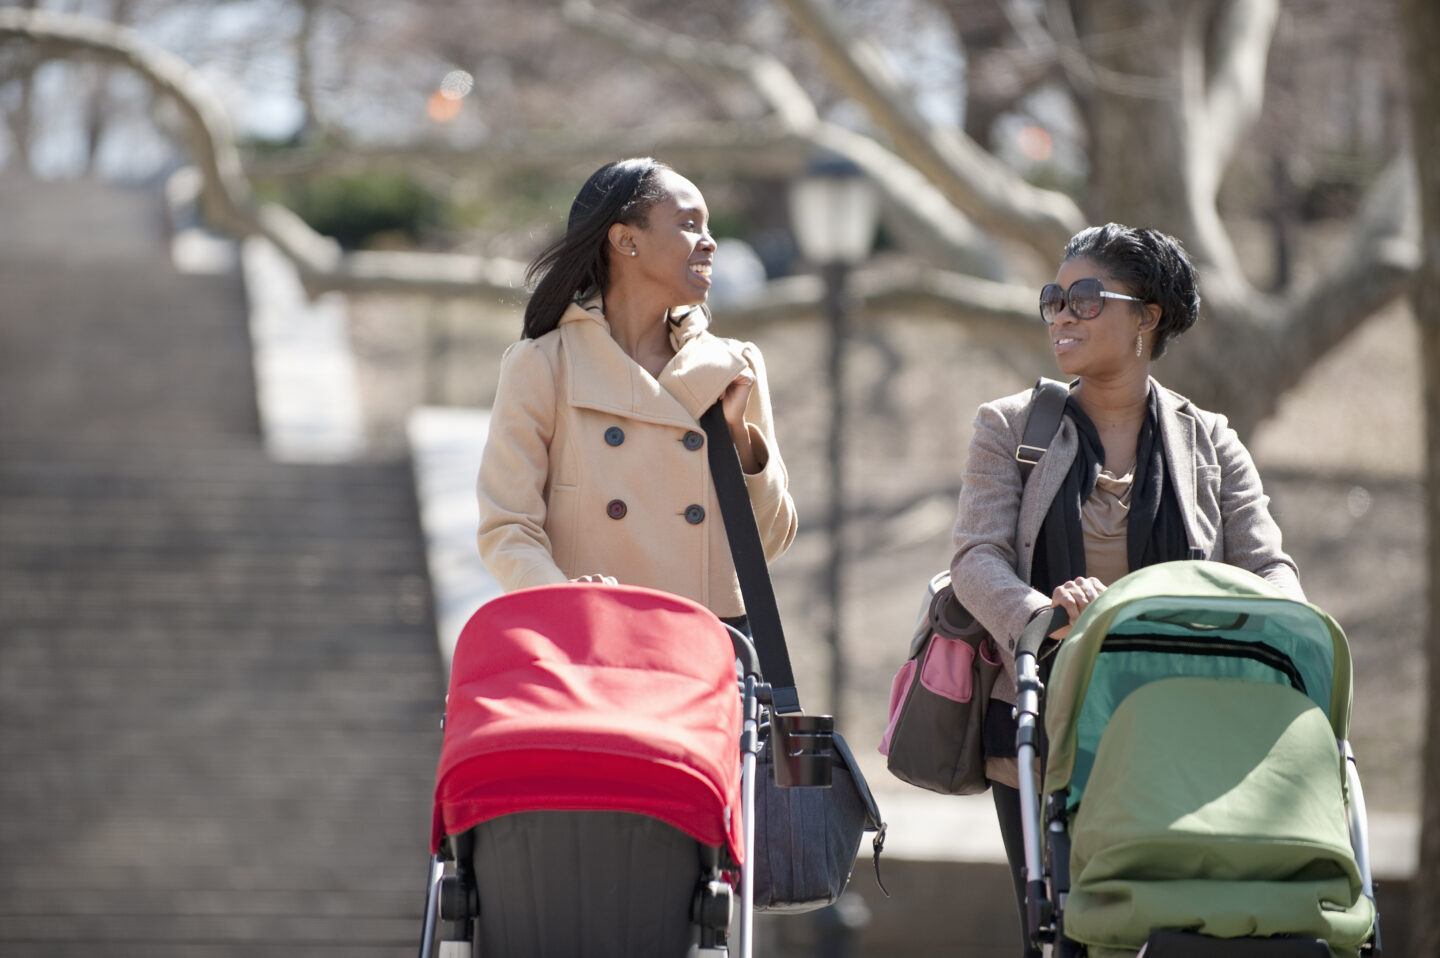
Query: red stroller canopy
x,y
583,697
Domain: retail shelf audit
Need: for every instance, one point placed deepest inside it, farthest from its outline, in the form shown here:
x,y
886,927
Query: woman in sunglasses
x,y
1135,475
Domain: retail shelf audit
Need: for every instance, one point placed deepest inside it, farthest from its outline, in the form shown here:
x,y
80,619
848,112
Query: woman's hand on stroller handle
x,y
1073,597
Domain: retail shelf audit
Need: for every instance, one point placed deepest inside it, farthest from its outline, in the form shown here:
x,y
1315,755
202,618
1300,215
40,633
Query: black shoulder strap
x,y
1047,408
749,555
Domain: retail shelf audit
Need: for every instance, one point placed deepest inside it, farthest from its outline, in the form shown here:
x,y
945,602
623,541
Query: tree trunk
x,y
1420,26
97,110
1157,145
21,119
305,69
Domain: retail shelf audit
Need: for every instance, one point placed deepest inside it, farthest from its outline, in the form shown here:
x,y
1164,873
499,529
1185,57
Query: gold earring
x,y
1139,345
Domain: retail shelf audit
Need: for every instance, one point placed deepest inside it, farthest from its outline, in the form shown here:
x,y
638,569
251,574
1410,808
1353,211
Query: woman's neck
x,y
638,323
1115,401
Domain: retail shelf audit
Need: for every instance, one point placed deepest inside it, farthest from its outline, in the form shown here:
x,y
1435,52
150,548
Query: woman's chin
x,y
1068,365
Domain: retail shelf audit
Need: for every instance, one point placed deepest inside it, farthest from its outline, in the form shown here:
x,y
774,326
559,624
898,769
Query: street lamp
x,y
833,212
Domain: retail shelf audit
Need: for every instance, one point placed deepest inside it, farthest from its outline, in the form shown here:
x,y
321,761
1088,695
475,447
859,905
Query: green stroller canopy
x,y
1185,619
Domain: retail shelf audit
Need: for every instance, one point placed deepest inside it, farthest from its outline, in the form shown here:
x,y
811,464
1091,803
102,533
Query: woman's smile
x,y
1065,343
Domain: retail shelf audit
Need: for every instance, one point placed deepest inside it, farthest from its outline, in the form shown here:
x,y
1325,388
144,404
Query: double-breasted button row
x,y
692,440
694,514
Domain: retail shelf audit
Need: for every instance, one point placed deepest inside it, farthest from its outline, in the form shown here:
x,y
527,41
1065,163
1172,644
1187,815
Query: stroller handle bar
x,y
1038,914
744,651
1045,622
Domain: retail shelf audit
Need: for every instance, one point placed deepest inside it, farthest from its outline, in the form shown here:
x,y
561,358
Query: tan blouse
x,y
1104,519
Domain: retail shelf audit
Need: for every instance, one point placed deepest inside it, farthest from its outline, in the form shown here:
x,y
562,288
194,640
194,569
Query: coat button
x,y
614,435
693,440
694,515
616,509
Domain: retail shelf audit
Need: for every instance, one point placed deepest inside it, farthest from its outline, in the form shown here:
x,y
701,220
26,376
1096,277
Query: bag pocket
x,y
899,690
949,669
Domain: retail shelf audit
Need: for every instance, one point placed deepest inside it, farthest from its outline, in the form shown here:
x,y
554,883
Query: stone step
x,y
300,932
185,473
307,555
219,690
184,368
73,223
77,948
124,649
205,902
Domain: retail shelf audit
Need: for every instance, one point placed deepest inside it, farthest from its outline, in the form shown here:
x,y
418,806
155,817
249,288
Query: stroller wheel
x,y
714,906
458,902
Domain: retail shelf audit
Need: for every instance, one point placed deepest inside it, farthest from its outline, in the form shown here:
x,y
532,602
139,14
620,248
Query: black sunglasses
x,y
1085,298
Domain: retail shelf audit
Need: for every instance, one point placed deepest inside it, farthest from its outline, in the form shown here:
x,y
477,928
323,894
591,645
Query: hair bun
x,y
1153,265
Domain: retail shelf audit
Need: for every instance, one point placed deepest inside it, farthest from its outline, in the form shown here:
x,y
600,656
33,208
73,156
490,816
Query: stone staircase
x,y
219,687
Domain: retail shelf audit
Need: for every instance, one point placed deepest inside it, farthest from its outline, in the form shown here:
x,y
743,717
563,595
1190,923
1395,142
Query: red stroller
x,y
589,797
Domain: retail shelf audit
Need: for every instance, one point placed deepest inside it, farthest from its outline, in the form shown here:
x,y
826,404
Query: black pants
x,y
1007,810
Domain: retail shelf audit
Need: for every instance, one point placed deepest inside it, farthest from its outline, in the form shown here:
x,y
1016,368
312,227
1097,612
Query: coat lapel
x,y
1177,428
703,365
602,377
1042,488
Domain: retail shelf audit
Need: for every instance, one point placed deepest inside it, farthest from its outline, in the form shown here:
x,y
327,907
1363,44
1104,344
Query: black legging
x,y
1007,810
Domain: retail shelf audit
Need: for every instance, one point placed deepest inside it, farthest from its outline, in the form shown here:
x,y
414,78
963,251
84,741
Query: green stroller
x,y
1200,798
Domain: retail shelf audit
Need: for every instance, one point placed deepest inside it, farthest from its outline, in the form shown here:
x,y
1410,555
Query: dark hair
x,y
577,265
1153,265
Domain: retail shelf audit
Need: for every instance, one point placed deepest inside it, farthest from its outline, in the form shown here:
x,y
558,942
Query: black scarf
x,y
1156,530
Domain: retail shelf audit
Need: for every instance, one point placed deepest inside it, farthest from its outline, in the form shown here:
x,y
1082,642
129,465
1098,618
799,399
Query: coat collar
x,y
603,377
1177,430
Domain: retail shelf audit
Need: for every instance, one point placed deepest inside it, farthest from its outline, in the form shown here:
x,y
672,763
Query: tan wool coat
x,y
1225,510
593,465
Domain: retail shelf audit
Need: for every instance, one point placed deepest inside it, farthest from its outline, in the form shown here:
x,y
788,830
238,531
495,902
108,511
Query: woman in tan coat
x,y
595,467
1136,475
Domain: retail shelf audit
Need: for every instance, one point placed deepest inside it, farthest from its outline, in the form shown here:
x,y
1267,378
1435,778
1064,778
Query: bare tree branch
x,y
226,195
226,192
769,77
914,290
912,199
921,217
1376,268
1235,89
305,67
763,147
982,187
1086,73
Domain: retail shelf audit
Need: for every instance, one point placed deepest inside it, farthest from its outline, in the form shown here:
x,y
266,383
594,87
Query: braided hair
x,y
577,265
1153,265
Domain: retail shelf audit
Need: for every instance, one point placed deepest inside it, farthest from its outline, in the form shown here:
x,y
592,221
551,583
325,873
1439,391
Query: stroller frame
x,y
1046,892
452,895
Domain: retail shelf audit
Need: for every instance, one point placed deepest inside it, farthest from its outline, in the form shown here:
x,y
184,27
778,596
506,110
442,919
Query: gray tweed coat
x,y
1226,512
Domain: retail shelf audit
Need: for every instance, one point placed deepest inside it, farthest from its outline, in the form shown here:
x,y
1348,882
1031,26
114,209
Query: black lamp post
x,y
833,213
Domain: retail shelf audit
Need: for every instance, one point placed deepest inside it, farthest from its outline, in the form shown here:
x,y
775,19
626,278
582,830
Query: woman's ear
x,y
622,239
1150,317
